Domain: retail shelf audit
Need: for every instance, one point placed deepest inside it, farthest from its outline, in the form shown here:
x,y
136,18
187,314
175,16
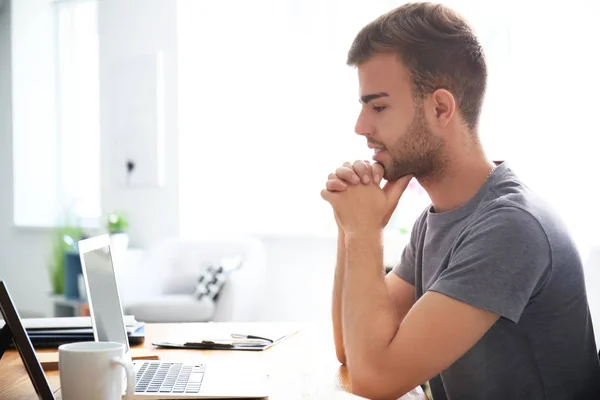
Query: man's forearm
x,y
338,284
369,318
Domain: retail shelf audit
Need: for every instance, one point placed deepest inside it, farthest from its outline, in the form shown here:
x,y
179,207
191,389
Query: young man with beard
x,y
488,300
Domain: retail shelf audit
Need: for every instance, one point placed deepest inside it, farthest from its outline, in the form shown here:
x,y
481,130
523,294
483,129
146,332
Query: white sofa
x,y
159,284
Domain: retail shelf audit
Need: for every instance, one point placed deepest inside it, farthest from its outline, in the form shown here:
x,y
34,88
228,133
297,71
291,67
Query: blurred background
x,y
197,131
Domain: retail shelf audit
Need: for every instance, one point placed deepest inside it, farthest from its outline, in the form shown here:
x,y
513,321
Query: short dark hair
x,y
438,47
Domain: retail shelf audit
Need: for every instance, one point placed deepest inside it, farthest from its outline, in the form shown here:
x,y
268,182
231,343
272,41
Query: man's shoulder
x,y
512,210
506,214
512,203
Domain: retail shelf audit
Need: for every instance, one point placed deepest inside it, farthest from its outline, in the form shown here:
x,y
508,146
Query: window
x,y
56,145
268,109
78,105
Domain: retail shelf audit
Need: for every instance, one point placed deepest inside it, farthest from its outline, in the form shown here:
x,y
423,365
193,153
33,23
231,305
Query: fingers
x,y
328,195
354,173
363,170
367,172
377,171
347,174
335,185
325,194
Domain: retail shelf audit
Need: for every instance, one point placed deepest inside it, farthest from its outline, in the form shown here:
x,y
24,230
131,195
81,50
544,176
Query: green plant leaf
x,y
70,226
116,222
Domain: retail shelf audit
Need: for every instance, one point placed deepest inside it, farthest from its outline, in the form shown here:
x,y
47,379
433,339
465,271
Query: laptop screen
x,y
13,331
103,296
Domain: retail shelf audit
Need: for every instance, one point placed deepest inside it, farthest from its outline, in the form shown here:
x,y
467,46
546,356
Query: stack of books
x,y
52,332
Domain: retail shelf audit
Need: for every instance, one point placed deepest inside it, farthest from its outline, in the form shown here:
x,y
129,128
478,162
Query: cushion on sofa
x,y
213,279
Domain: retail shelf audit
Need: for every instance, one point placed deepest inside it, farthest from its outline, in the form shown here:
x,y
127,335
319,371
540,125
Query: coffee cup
x,y
92,371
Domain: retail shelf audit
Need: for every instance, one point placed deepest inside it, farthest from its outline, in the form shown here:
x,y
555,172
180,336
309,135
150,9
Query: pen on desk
x,y
240,336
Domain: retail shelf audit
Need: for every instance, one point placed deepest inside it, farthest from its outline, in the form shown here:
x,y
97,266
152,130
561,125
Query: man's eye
x,y
378,109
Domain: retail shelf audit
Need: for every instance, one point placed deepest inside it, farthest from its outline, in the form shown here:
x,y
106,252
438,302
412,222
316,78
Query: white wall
x,y
300,276
22,251
129,29
300,272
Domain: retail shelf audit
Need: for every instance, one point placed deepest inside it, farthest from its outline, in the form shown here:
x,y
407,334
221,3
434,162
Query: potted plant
x,y
64,238
117,225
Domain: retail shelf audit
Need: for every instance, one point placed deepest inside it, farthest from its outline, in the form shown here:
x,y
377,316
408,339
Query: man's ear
x,y
444,106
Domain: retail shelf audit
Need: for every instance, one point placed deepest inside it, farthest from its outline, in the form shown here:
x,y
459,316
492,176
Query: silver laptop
x,y
154,379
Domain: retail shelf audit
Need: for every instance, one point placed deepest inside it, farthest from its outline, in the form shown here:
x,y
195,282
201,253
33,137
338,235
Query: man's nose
x,y
363,127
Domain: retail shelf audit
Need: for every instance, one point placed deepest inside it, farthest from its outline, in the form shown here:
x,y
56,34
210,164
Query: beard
x,y
417,152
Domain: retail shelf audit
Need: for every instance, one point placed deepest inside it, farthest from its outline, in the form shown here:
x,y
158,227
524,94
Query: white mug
x,y
91,371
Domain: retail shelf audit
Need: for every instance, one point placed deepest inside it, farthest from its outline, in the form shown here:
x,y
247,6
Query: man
x,y
488,300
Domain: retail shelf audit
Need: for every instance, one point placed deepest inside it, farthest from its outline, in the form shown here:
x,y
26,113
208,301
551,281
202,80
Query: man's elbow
x,y
363,386
341,355
369,384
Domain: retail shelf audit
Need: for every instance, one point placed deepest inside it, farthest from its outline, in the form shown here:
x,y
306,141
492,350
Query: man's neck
x,y
459,182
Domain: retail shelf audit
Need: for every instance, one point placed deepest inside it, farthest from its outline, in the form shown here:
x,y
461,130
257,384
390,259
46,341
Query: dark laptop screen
x,y
13,327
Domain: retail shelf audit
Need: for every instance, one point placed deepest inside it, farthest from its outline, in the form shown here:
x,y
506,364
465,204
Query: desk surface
x,y
303,366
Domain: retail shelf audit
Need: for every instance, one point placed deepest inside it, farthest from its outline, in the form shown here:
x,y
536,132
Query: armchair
x,y
160,286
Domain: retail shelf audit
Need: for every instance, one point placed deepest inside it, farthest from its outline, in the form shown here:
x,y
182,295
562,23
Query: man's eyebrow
x,y
369,97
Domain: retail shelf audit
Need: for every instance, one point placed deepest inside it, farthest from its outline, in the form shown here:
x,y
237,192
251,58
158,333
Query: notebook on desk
x,y
61,323
213,338
52,332
54,339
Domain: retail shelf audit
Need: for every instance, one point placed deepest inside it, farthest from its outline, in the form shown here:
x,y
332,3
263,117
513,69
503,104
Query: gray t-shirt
x,y
506,252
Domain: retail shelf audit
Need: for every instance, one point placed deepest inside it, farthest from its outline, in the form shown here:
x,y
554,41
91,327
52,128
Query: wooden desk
x,y
303,366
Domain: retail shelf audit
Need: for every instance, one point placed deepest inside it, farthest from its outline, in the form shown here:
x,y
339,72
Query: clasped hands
x,y
359,204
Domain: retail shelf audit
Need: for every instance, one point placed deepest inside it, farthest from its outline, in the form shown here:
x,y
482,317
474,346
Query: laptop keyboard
x,y
164,377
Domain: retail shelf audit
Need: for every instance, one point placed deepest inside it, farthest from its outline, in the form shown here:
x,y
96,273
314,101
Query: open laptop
x,y
154,379
12,330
